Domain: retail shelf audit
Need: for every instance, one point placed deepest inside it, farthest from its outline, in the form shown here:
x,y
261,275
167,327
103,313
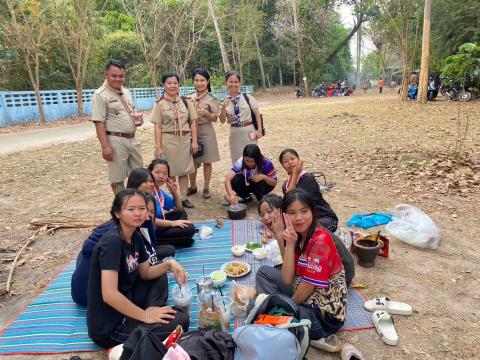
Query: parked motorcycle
x,y
432,90
299,92
457,93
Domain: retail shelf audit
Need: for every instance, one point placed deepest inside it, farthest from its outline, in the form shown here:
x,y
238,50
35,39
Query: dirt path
x,y
378,151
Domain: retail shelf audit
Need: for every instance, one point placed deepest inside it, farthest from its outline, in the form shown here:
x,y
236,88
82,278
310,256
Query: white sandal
x,y
385,327
392,307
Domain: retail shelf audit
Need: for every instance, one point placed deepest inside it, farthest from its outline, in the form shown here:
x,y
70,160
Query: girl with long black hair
x,y
124,290
312,273
252,173
208,108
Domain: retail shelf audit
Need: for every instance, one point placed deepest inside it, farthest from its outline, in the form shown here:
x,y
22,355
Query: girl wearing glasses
x,y
237,112
252,173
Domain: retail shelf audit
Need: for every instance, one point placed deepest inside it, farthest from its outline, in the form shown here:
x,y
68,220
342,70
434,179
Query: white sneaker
x,y
115,352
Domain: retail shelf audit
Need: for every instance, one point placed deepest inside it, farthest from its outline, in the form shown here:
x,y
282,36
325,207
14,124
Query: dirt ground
x,y
378,151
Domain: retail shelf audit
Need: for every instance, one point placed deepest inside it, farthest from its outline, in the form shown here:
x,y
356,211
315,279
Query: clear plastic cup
x,y
204,283
223,306
182,298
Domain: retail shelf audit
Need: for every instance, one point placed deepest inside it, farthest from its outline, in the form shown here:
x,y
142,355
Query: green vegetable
x,y
253,246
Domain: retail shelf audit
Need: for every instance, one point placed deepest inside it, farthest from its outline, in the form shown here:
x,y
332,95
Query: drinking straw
x,y
213,307
378,236
180,287
221,294
204,277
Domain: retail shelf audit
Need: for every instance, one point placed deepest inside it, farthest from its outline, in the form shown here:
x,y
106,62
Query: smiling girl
x,y
238,113
300,179
124,290
312,273
175,121
208,108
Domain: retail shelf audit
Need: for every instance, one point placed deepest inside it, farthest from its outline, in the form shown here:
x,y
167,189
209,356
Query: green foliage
x,y
463,67
453,23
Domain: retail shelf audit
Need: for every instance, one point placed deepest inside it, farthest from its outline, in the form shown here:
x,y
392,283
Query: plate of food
x,y
252,246
236,269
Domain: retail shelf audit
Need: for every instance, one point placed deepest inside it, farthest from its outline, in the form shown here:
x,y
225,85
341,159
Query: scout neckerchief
x,y
124,101
176,111
236,109
303,172
161,200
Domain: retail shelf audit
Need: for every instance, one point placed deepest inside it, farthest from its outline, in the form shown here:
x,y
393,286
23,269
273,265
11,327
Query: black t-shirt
x,y
309,184
112,253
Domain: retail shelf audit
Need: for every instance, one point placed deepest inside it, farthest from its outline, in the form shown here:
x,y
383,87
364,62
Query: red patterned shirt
x,y
320,265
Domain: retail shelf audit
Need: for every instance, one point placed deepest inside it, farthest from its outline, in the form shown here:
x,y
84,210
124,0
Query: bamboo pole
x,y
423,83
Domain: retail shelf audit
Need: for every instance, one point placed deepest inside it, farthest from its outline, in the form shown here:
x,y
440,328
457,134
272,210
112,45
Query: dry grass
x,y
379,153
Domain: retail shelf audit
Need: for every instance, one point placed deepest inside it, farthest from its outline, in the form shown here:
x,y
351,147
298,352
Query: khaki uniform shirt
x,y
207,102
108,108
245,113
173,115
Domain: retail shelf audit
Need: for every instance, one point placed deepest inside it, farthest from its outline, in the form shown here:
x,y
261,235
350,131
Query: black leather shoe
x,y
187,204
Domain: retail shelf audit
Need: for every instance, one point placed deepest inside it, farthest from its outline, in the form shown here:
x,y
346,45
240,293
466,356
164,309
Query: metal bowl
x,y
237,212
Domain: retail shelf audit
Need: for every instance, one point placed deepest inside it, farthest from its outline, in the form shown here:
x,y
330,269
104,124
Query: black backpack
x,y
143,344
208,344
254,117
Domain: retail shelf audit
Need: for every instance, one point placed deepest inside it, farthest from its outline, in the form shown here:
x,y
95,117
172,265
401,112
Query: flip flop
x,y
350,352
192,190
385,327
330,344
392,307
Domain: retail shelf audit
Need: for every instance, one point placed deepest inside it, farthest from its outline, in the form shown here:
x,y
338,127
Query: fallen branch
x,y
28,242
64,224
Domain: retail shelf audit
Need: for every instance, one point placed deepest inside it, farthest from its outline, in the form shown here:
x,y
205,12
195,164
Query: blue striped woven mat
x,y
53,323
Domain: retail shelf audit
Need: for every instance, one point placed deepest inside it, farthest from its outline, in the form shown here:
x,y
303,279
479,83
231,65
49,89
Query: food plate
x,y
229,266
256,245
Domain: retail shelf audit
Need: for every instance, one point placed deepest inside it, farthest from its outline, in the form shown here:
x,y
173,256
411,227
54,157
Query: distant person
x,y
381,85
208,108
238,113
365,86
115,122
413,81
393,85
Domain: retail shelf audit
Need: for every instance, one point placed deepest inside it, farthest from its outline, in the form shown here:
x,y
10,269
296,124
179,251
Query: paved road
x,y
34,139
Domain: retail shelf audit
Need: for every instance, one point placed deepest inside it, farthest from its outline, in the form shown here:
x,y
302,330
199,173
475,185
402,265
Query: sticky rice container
x,y
238,250
260,253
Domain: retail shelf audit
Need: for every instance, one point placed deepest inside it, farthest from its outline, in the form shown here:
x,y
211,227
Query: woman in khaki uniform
x,y
236,111
208,108
175,121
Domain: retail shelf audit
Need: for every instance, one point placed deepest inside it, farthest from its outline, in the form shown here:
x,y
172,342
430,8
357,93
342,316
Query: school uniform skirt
x,y
208,138
239,137
178,152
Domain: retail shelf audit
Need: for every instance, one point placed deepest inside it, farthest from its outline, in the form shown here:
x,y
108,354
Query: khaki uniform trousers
x,y
126,157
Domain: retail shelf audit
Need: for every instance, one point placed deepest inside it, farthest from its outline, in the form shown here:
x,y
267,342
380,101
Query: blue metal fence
x,y
19,107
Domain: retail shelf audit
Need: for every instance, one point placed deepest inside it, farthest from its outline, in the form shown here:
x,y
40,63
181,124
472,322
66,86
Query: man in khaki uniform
x,y
115,122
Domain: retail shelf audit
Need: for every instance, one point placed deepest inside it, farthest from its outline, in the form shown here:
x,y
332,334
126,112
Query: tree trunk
x,y
35,81
299,46
405,80
359,52
423,83
331,56
294,74
260,62
225,60
79,85
268,81
280,75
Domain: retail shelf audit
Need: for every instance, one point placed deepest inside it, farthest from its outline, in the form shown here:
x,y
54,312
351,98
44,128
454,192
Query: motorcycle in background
x,y
457,93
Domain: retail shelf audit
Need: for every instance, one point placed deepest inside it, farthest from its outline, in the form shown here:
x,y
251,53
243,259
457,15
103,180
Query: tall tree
x,y
26,26
402,18
423,83
221,43
75,23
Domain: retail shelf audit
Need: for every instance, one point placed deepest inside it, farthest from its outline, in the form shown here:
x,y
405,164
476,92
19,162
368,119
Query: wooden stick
x,y
64,224
29,240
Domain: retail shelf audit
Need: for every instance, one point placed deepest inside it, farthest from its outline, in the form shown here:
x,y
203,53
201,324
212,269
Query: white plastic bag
x,y
205,232
414,227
